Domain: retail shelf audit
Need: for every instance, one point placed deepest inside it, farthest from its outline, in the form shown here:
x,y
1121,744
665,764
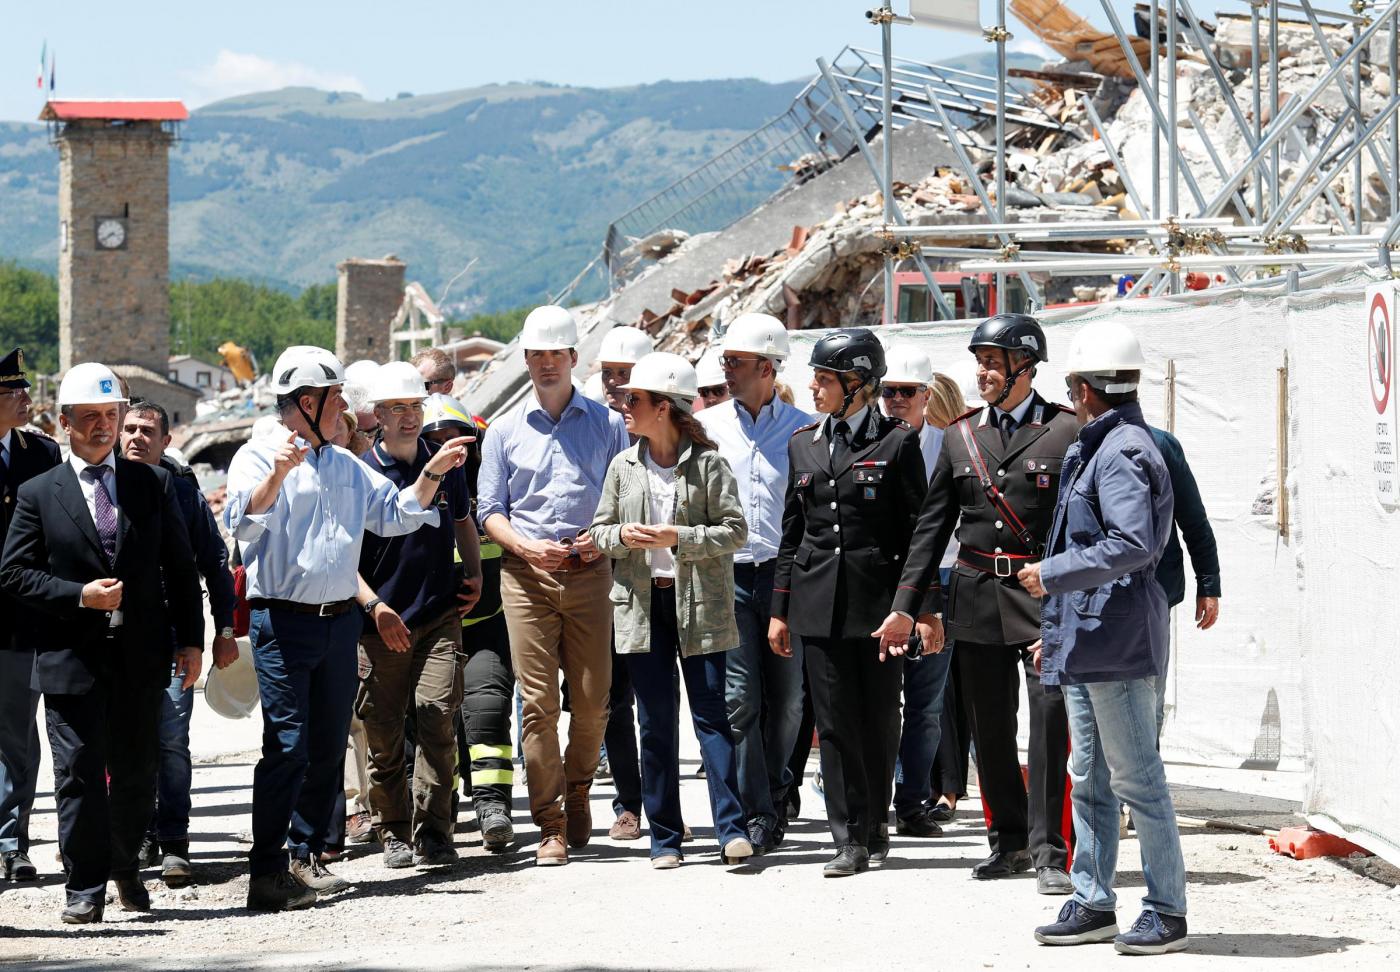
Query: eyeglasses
x,y
733,360
713,391
405,409
1069,384
903,391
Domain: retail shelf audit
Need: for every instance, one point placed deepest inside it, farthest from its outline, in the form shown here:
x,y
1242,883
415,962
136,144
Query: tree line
x,y
203,315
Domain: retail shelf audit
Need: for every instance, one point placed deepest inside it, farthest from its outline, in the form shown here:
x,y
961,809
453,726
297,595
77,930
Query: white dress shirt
x,y
89,488
661,511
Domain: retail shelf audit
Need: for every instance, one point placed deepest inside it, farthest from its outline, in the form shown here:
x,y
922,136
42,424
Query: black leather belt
x,y
328,610
997,564
663,582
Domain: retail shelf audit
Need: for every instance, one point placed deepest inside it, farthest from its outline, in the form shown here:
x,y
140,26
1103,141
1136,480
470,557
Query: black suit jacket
x,y
29,455
846,530
983,608
52,550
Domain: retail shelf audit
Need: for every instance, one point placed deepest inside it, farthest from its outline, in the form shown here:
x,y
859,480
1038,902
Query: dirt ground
x,y
608,910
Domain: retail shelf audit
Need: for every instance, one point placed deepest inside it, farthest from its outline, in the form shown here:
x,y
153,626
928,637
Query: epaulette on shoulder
x,y
899,423
806,428
968,414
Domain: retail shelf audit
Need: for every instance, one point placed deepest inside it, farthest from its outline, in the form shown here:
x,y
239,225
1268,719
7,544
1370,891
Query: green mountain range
x,y
278,187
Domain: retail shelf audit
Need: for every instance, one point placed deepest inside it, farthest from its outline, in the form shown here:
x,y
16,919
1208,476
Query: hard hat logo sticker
x,y
106,386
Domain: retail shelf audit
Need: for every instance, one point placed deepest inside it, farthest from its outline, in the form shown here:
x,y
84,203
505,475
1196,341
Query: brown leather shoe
x,y
578,824
626,827
552,851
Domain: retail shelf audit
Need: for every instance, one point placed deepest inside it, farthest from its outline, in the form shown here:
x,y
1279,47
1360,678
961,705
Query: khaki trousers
x,y
427,677
559,622
356,769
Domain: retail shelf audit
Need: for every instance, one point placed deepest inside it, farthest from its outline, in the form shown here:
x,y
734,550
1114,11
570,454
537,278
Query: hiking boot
x,y
279,892
132,894
149,854
578,824
433,850
626,827
396,852
358,828
175,863
1153,934
497,834
552,850
316,876
1078,925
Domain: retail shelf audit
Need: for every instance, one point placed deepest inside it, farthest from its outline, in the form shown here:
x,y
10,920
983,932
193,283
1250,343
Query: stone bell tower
x,y
114,241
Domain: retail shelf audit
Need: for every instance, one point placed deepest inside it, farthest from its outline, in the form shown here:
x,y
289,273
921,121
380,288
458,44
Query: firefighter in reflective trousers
x,y
855,484
996,481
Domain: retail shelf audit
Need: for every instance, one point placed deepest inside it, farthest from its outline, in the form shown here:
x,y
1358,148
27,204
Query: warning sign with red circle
x,y
1379,365
1380,379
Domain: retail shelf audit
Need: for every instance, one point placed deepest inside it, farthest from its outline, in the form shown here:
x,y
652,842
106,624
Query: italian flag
x,y
43,60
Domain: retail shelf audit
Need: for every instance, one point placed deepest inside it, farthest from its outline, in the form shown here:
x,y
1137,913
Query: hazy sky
x,y
203,51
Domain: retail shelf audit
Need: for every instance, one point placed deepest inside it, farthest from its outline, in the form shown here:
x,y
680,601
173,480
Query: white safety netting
x,y
1302,663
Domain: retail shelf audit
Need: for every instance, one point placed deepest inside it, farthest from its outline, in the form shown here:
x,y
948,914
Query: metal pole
x,y
1255,65
1326,178
1156,97
1358,194
887,137
1001,36
1394,49
1173,153
1273,105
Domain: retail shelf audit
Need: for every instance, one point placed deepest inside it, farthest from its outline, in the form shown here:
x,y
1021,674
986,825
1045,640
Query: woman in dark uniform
x,y
855,485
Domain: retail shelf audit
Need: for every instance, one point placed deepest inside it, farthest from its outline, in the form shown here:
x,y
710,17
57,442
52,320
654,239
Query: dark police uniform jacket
x,y
29,455
846,530
984,603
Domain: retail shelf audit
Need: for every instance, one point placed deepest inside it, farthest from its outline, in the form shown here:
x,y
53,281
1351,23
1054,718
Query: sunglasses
x,y
733,360
904,391
437,381
632,399
713,391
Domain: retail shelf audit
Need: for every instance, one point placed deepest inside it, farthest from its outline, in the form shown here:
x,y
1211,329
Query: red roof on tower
x,y
160,111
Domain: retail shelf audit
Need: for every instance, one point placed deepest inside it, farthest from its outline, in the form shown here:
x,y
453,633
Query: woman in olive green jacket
x,y
671,519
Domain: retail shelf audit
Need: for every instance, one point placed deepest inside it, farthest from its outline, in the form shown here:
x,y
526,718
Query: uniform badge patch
x,y
870,492
1043,481
804,479
1030,465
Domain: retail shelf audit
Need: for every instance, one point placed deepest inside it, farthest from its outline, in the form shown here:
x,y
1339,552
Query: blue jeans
x,y
1113,757
763,692
308,671
924,681
19,747
654,682
172,816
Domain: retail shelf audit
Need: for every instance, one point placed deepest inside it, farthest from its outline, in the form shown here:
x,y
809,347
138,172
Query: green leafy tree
x,y
29,316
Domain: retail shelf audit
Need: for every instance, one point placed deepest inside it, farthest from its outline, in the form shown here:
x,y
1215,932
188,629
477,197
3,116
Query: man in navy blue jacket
x,y
1104,645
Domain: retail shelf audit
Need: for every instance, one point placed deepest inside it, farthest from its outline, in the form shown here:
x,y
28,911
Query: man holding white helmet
x,y
541,478
414,597
763,691
300,507
1104,645
98,548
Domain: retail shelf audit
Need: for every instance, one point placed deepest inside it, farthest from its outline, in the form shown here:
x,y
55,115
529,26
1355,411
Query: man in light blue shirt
x,y
300,511
541,478
752,429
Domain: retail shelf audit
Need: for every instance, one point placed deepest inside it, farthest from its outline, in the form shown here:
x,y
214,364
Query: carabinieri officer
x,y
855,484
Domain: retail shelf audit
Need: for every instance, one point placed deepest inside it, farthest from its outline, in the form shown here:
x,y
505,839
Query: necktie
x,y
104,514
841,452
1008,428
4,468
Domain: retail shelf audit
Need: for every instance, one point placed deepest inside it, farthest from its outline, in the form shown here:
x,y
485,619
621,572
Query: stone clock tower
x,y
114,240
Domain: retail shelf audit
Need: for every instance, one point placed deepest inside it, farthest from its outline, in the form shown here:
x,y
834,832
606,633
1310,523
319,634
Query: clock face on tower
x,y
111,233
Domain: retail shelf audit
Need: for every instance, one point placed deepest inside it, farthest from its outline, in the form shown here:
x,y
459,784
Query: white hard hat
x,y
233,692
907,365
361,372
1103,347
90,384
666,374
593,388
443,411
757,334
303,366
549,328
395,380
625,345
708,372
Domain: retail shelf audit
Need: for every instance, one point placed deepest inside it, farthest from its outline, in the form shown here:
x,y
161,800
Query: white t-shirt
x,y
661,509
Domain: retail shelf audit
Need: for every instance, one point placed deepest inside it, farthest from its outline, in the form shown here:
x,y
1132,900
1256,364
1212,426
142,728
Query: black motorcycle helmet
x,y
1012,332
851,350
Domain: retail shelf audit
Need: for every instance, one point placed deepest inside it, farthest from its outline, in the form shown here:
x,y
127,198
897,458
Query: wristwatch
x,y
226,632
369,608
435,477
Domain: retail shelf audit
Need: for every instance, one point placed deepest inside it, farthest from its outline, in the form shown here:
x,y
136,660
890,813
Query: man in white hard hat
x,y
300,507
763,691
714,387
622,348
541,477
1104,645
145,436
415,597
23,455
904,393
98,550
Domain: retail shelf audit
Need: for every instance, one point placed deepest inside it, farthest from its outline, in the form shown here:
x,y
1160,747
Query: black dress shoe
x,y
79,912
920,824
941,813
1052,880
1002,864
18,866
879,853
851,859
132,894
